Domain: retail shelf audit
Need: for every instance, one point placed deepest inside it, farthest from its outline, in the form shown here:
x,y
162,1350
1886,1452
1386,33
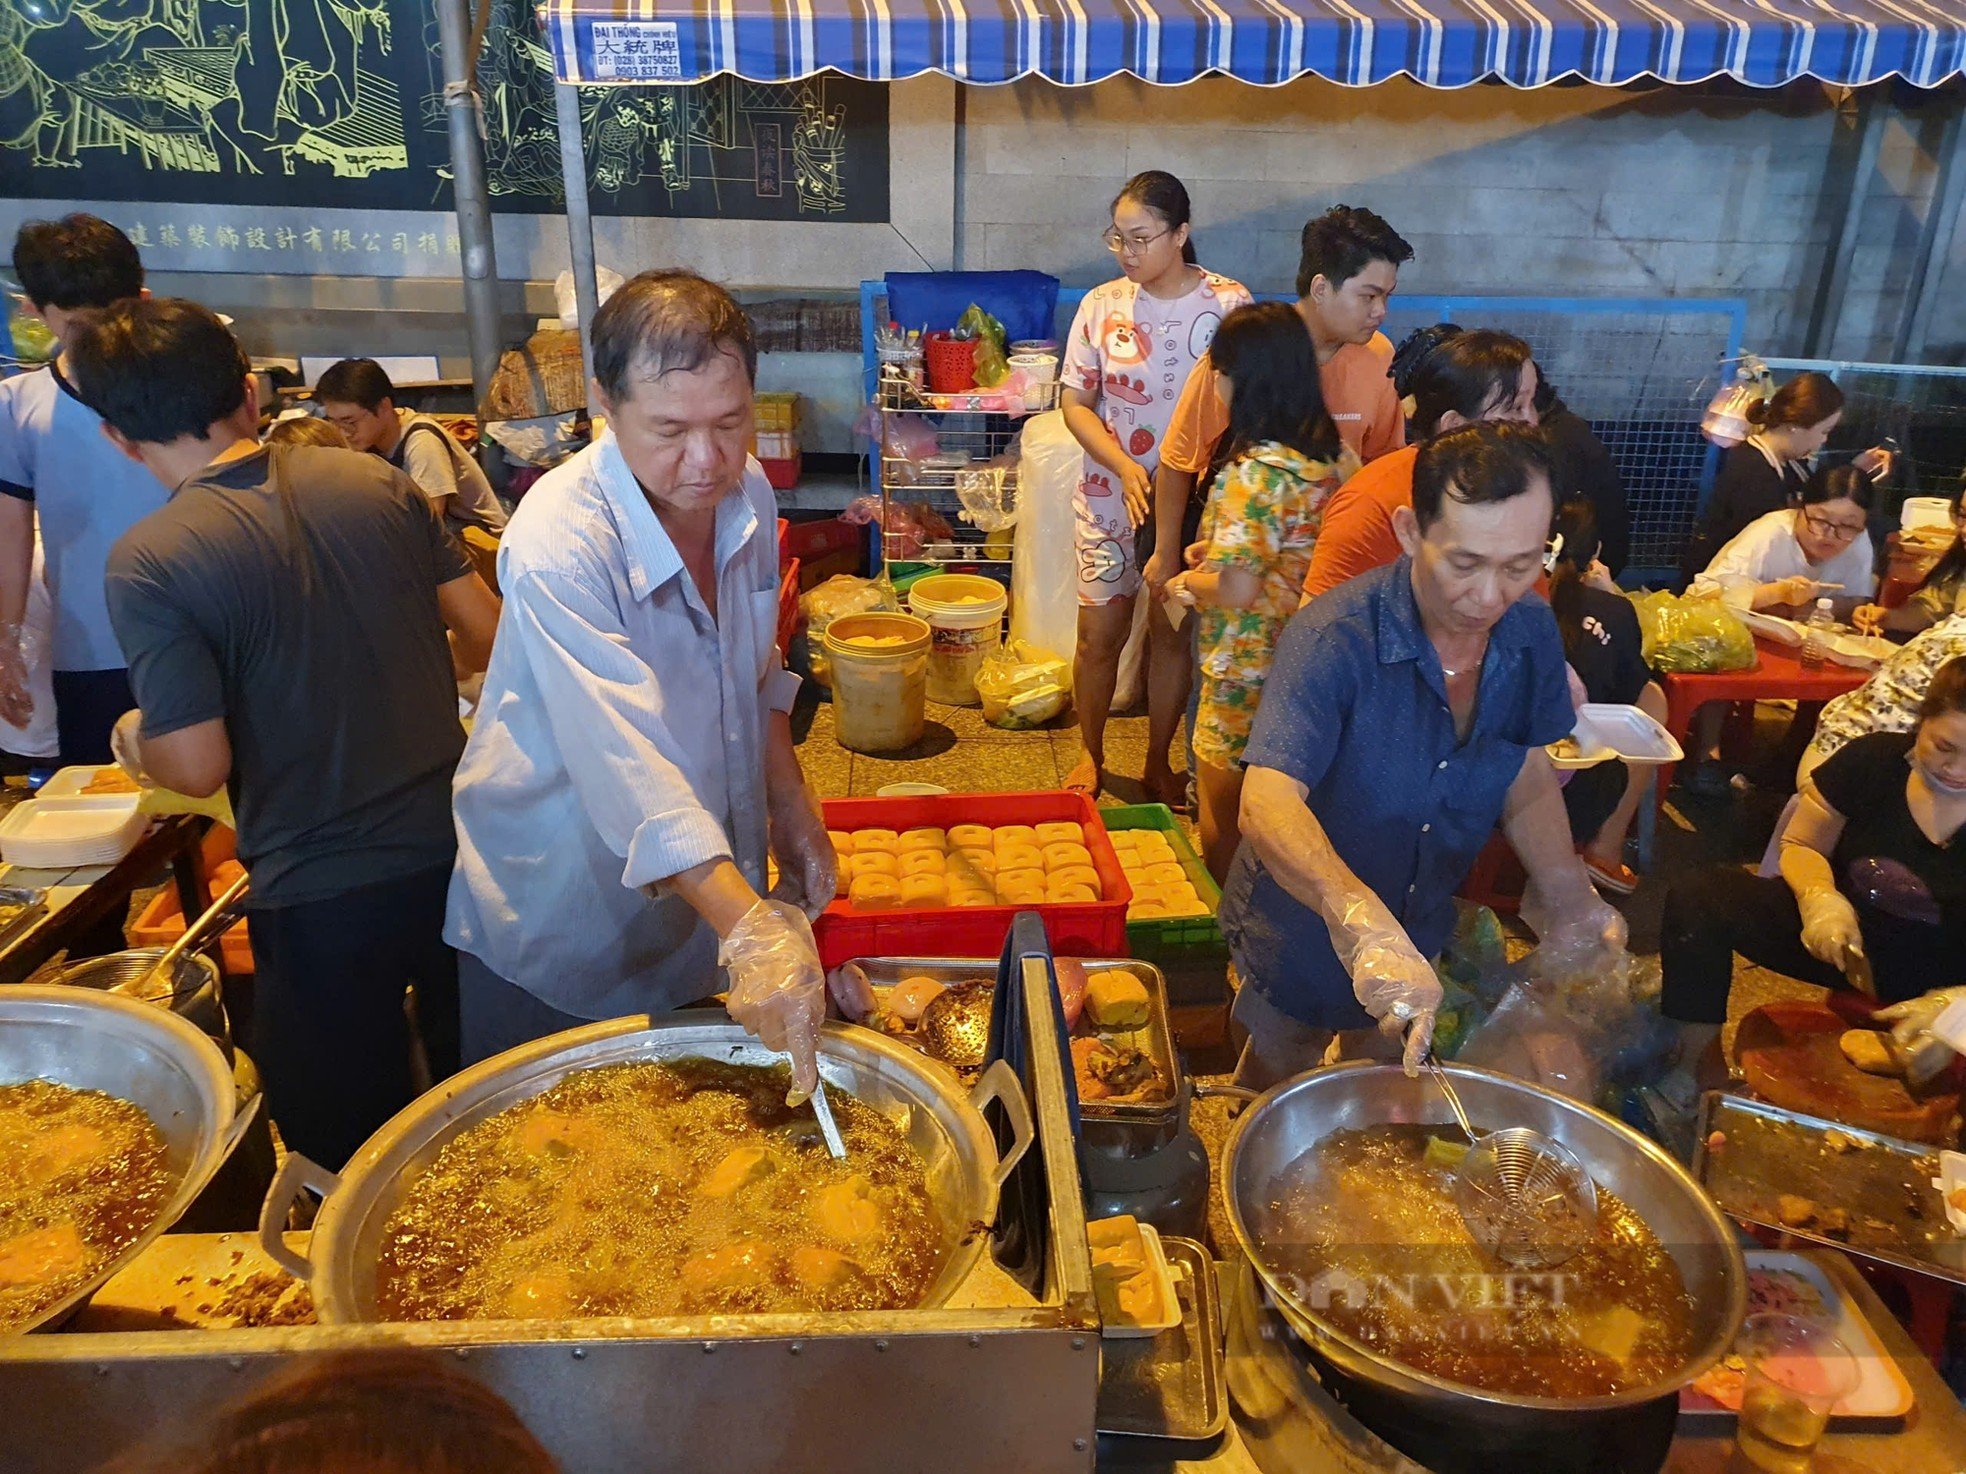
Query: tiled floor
x,y
965,754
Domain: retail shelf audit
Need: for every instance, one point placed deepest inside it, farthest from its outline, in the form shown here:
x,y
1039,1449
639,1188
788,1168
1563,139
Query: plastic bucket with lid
x,y
880,676
966,614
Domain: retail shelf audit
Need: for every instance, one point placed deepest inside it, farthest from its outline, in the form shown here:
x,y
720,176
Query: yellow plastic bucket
x,y
880,679
965,613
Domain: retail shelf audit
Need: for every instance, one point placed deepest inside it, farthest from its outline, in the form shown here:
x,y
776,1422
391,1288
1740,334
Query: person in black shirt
x,y
1601,641
284,615
1585,469
1872,894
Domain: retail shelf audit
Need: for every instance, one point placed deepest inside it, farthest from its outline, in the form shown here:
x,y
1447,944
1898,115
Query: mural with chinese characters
x,y
336,104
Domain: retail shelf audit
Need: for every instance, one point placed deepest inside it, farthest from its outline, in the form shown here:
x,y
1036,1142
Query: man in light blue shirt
x,y
55,463
631,764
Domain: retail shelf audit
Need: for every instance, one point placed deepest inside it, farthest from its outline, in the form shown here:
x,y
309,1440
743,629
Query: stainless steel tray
x,y
1170,1386
1156,1040
1882,1183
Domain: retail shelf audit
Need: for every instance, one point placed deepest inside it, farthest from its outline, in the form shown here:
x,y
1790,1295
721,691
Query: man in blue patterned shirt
x,y
1405,716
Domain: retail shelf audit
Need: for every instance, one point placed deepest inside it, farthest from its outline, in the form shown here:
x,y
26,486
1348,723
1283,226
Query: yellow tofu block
x,y
1019,857
983,861
1146,895
972,896
921,839
1148,911
1027,877
874,839
1153,847
1059,832
1057,856
1123,840
921,862
872,862
1069,895
924,890
970,837
874,893
1020,895
1013,834
1083,875
1166,873
842,841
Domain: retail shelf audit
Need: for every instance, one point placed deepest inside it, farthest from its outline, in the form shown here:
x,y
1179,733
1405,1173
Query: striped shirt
x,y
620,740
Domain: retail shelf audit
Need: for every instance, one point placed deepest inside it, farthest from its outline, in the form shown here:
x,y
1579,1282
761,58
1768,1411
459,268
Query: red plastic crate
x,y
788,609
811,541
784,544
782,472
1085,929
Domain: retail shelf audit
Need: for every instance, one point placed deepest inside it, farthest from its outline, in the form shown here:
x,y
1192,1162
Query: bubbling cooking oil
x,y
659,1189
1365,1223
82,1176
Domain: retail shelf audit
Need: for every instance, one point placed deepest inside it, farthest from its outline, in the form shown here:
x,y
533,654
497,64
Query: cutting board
x,y
1789,1056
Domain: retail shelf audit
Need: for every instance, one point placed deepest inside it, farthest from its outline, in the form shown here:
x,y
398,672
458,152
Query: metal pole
x,y
1826,313
469,197
1935,242
580,223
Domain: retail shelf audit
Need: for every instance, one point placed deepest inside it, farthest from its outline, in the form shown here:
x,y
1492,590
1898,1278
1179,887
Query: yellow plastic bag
x,y
1695,635
1022,686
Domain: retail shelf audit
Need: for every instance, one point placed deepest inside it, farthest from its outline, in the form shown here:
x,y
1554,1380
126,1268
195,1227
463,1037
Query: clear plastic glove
x,y
808,866
1572,921
125,744
1390,979
1829,927
777,987
1911,1021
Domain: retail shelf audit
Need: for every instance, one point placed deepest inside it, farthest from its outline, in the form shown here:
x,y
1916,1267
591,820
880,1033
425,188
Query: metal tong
x,y
218,916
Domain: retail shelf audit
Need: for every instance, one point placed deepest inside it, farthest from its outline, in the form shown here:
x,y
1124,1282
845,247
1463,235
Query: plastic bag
x,y
1582,1022
1022,685
992,348
1044,601
1683,633
568,303
841,594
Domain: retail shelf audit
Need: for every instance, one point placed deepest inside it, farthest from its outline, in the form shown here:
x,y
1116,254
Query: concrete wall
x,y
1564,190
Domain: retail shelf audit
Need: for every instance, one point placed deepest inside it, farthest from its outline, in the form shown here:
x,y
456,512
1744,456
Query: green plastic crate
x,y
1186,938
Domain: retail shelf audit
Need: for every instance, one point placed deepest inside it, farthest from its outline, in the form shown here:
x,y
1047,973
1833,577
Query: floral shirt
x,y
1135,351
1263,515
1889,700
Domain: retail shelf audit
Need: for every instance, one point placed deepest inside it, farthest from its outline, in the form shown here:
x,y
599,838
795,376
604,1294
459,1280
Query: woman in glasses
x,y
1780,564
1132,346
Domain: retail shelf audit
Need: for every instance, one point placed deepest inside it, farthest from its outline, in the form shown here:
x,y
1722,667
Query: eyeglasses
x,y
1823,527
1119,244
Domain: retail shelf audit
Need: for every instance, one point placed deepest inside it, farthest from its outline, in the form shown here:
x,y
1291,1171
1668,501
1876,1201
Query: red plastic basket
x,y
788,609
1084,929
948,364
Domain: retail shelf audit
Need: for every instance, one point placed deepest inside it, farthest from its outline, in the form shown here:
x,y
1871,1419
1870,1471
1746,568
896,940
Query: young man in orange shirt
x,y
1347,272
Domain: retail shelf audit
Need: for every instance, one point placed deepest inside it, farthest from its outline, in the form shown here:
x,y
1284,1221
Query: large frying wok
x,y
137,1052
940,1121
1289,1120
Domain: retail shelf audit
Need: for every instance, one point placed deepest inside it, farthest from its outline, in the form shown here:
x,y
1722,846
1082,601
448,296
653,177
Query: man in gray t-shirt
x,y
283,616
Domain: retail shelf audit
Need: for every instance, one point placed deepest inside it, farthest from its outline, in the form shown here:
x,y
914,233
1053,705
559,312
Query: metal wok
x,y
940,1121
1290,1119
139,1053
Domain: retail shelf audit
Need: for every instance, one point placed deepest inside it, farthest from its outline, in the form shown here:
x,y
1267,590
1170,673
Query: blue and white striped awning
x,y
1442,43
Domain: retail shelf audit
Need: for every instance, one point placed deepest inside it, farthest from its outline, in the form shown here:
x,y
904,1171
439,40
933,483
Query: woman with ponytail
x,y
1131,348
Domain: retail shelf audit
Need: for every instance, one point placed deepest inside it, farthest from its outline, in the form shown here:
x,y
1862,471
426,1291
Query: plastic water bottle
x,y
1815,636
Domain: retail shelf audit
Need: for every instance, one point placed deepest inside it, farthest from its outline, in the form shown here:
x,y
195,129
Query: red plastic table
x,y
1777,675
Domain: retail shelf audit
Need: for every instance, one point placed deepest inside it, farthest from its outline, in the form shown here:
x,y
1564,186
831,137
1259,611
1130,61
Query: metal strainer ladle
x,y
1524,1197
955,1026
